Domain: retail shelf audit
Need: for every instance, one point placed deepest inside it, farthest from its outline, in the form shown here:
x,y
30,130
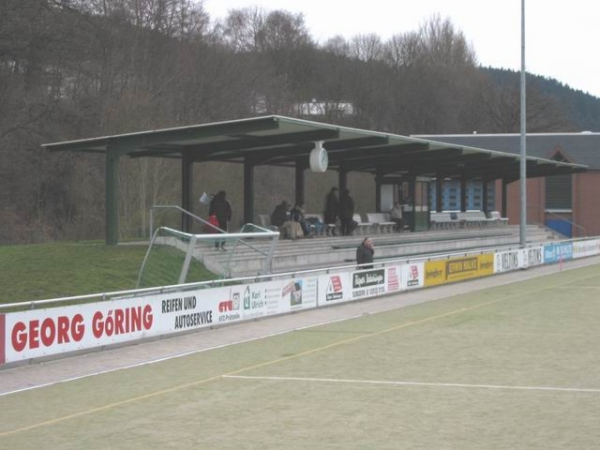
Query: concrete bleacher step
x,y
337,251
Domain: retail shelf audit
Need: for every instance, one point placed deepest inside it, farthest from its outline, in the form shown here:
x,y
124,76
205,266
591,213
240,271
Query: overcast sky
x,y
561,37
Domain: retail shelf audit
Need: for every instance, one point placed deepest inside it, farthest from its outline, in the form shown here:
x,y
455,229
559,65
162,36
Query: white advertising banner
x,y
45,332
535,256
586,248
300,293
368,283
412,275
510,260
394,279
334,288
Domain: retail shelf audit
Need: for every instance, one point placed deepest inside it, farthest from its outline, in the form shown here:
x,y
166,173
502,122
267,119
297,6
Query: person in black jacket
x,y
346,213
220,207
365,253
297,215
332,209
280,214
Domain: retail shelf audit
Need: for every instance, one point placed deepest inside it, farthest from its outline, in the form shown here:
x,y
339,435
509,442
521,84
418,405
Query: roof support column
x,y
112,196
342,179
484,195
463,193
248,190
409,210
439,184
300,168
504,202
378,184
187,180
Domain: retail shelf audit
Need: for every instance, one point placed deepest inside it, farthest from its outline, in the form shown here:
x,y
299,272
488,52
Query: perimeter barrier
x,y
56,327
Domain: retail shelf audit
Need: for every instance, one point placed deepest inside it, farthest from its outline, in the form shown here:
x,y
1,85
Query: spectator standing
x,y
346,213
332,207
396,216
221,208
364,253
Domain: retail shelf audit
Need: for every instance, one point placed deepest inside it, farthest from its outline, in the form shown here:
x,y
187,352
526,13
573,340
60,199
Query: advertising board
x,y
582,249
413,275
556,252
457,269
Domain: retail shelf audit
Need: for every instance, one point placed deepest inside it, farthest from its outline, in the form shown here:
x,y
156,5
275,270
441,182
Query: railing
x,y
582,230
193,239
225,270
180,209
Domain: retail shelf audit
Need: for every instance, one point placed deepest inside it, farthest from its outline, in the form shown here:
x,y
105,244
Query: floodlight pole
x,y
523,166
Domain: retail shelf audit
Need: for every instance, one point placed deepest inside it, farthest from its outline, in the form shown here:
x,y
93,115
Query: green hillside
x,y
42,271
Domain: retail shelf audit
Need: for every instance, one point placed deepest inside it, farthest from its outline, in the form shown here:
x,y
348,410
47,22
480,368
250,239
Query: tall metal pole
x,y
523,166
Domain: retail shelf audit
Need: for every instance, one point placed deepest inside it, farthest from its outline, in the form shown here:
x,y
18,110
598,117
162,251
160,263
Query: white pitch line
x,y
417,383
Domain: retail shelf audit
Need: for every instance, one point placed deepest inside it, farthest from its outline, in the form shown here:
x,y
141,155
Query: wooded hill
x,y
72,69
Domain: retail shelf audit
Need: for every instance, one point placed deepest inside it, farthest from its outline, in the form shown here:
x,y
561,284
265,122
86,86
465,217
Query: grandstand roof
x,y
284,141
578,148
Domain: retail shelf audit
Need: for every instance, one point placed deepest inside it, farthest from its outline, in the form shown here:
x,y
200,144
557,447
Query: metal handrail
x,y
550,213
206,223
179,208
210,237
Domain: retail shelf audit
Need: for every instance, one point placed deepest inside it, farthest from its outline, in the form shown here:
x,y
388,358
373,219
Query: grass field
x,y
41,271
513,367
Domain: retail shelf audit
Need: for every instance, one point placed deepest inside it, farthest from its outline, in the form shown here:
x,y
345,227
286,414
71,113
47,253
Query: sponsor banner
x,y
394,276
368,283
589,247
510,260
413,275
229,303
179,311
44,332
561,251
535,256
300,293
38,333
333,288
2,340
457,269
262,299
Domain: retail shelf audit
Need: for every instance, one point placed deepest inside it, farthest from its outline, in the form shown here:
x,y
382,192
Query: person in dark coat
x,y
297,215
346,213
280,214
221,208
332,207
365,253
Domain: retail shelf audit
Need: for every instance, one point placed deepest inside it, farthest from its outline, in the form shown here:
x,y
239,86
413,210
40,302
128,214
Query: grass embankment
x,y
41,271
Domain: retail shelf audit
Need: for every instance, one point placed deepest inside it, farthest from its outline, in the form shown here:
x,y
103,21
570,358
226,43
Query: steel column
x,y
248,190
